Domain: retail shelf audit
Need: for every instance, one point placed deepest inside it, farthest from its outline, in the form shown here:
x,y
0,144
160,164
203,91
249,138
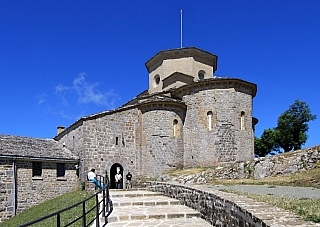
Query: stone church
x,y
188,117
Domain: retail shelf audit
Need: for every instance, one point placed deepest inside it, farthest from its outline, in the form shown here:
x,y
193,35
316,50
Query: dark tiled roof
x,y
25,147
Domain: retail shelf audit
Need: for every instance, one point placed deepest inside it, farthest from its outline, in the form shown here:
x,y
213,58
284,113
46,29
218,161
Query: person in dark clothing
x,y
128,177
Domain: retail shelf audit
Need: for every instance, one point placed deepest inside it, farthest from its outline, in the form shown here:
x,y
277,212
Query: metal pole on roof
x,y
181,28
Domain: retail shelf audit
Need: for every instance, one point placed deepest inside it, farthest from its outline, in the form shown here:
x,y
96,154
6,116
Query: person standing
x,y
128,177
93,178
118,178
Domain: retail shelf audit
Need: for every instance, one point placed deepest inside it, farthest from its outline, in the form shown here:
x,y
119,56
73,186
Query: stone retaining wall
x,y
226,209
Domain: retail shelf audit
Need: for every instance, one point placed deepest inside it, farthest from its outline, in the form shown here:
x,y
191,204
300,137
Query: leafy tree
x,y
265,144
290,132
293,125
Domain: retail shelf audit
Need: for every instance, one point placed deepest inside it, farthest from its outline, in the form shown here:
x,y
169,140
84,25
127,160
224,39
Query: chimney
x,y
60,129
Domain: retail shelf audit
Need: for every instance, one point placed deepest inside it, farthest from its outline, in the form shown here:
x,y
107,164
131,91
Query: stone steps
x,y
174,222
145,208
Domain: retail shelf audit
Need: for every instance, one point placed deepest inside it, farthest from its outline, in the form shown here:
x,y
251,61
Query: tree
x,y
265,144
293,125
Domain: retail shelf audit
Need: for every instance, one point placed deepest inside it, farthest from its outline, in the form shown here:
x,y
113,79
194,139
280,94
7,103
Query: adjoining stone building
x,y
32,171
188,117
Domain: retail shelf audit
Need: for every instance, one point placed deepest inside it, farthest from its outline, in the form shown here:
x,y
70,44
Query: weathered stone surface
x,y
258,168
226,209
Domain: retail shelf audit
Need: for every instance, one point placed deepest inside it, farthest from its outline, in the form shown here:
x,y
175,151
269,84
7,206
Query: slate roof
x,y
30,148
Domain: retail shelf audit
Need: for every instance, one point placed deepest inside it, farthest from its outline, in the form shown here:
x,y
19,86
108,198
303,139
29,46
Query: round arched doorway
x,y
113,171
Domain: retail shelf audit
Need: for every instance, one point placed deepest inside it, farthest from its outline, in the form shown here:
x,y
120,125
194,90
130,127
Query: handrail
x,y
107,208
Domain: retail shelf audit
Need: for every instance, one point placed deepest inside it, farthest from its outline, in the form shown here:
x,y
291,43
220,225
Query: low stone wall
x,y
227,209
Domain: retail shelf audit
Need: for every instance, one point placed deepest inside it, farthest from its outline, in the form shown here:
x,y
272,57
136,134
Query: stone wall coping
x,y
262,214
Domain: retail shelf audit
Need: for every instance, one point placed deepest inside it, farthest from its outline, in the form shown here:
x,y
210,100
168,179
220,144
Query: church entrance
x,y
113,171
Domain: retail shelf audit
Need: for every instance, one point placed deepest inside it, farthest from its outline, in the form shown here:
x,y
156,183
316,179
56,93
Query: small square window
x,y
36,169
61,170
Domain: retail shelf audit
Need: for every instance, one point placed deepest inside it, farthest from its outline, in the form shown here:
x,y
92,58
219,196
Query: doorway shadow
x,y
113,172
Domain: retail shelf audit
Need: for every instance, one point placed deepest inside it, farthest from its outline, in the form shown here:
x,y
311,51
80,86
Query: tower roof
x,y
202,55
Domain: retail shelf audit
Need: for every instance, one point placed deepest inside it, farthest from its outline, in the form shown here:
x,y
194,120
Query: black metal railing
x,y
102,207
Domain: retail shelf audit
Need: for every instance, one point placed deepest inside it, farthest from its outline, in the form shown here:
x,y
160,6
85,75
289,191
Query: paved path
x,y
282,191
145,208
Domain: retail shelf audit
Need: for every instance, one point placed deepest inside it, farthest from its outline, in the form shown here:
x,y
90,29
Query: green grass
x,y
52,206
308,209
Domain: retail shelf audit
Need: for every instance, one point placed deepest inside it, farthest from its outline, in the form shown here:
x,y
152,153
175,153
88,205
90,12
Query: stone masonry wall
x,y
6,190
225,142
105,140
30,191
161,149
245,141
111,139
73,140
35,190
226,209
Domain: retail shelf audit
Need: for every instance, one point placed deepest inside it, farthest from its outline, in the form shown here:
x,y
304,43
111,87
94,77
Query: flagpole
x,y
181,28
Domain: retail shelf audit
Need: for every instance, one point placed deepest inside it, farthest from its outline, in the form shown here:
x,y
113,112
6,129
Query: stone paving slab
x,y
132,193
174,222
128,213
144,201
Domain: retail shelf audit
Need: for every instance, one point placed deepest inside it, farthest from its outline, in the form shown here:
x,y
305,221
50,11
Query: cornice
x,y
216,83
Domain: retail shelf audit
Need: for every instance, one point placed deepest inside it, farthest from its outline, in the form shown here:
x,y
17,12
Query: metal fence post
x,y
97,211
58,220
84,224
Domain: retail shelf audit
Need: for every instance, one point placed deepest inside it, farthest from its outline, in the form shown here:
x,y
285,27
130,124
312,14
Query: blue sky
x,y
61,60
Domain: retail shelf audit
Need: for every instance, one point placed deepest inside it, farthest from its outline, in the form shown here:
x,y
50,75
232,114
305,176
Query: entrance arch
x,y
113,172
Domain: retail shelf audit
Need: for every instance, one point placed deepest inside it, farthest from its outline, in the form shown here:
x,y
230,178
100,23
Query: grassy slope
x,y
52,206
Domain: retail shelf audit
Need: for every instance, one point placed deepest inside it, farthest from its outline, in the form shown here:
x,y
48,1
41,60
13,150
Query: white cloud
x,y
86,93
41,98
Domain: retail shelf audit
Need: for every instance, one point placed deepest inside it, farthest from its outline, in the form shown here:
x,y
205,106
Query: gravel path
x,y
282,191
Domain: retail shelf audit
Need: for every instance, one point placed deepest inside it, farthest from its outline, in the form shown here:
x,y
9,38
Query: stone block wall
x,y
140,140
7,198
226,209
104,140
26,191
225,142
162,139
35,190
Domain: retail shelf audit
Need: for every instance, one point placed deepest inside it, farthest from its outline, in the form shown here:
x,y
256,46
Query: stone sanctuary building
x,y
187,118
32,171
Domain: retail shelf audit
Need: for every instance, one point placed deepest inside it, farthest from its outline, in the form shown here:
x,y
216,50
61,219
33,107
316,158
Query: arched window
x,y
201,74
209,117
175,128
156,81
242,121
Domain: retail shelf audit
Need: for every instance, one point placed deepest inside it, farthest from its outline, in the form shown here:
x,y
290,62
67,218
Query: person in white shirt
x,y
92,177
118,178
